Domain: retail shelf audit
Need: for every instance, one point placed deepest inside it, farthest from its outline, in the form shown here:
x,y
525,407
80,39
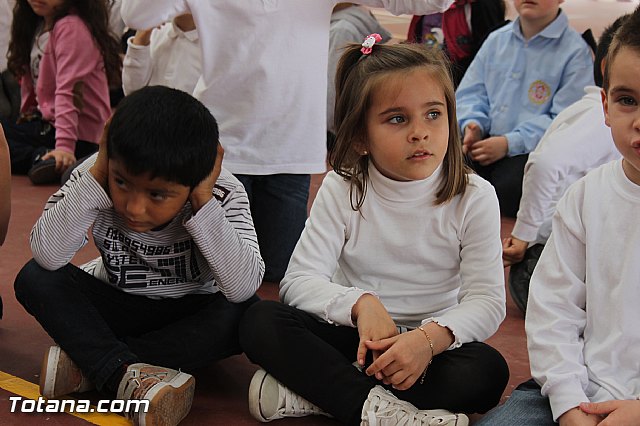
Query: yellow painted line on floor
x,y
31,391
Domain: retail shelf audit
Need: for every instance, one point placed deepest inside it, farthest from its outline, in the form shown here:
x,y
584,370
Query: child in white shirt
x,y
398,268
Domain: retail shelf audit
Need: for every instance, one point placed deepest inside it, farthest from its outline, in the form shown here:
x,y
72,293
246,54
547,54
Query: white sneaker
x,y
382,408
271,400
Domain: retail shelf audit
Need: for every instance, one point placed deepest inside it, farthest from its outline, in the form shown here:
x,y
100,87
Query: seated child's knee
x,y
258,315
493,362
28,282
259,323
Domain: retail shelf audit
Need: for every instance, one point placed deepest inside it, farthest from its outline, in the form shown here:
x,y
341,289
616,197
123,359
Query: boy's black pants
x,y
101,328
314,359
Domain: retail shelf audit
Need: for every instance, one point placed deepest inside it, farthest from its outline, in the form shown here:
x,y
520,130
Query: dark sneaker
x,y
520,276
270,400
60,376
43,172
169,392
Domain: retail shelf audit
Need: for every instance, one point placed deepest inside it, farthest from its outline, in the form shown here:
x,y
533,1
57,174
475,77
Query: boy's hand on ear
x,y
100,169
64,159
472,134
201,194
490,150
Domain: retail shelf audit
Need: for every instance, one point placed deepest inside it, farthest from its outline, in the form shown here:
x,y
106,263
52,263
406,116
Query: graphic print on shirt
x,y
37,51
132,263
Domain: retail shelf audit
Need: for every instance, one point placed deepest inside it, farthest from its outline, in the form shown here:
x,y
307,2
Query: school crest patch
x,y
539,92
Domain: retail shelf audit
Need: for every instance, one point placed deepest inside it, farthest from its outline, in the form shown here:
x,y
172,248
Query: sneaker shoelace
x,y
384,413
295,404
138,384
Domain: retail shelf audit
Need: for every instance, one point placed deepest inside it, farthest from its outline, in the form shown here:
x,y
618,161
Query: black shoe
x,y
43,171
520,276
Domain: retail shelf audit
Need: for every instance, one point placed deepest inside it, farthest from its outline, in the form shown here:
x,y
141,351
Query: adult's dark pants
x,y
314,359
279,210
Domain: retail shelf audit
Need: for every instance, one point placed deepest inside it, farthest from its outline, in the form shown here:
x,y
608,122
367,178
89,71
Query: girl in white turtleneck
x,y
399,266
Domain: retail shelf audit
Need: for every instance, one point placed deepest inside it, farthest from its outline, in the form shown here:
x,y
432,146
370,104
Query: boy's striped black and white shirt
x,y
214,250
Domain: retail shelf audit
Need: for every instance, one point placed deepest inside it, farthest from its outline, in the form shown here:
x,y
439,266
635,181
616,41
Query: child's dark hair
x,y
627,36
357,77
94,13
603,47
166,133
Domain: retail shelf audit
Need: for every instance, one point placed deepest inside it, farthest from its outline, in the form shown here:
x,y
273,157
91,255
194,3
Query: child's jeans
x,y
525,407
101,328
314,359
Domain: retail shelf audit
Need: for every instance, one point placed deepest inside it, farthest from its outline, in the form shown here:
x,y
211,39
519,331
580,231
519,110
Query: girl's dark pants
x,y
314,359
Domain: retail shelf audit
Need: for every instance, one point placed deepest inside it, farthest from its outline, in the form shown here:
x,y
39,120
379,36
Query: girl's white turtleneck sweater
x,y
425,262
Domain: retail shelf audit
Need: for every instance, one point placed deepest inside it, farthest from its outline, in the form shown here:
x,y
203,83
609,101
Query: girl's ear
x,y
360,147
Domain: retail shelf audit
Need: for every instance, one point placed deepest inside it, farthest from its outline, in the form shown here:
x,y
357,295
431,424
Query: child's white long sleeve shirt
x,y
582,315
425,262
172,59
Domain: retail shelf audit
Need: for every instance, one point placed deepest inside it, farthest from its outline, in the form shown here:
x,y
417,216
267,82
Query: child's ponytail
x,y
345,158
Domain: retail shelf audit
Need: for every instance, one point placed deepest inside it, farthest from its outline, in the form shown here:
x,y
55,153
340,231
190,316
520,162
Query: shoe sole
x,y
462,420
255,388
44,172
48,375
169,403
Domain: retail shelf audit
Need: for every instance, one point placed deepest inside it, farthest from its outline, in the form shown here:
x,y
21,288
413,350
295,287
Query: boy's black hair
x,y
603,48
166,133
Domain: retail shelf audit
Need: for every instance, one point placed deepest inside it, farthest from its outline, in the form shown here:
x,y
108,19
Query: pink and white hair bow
x,y
367,44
